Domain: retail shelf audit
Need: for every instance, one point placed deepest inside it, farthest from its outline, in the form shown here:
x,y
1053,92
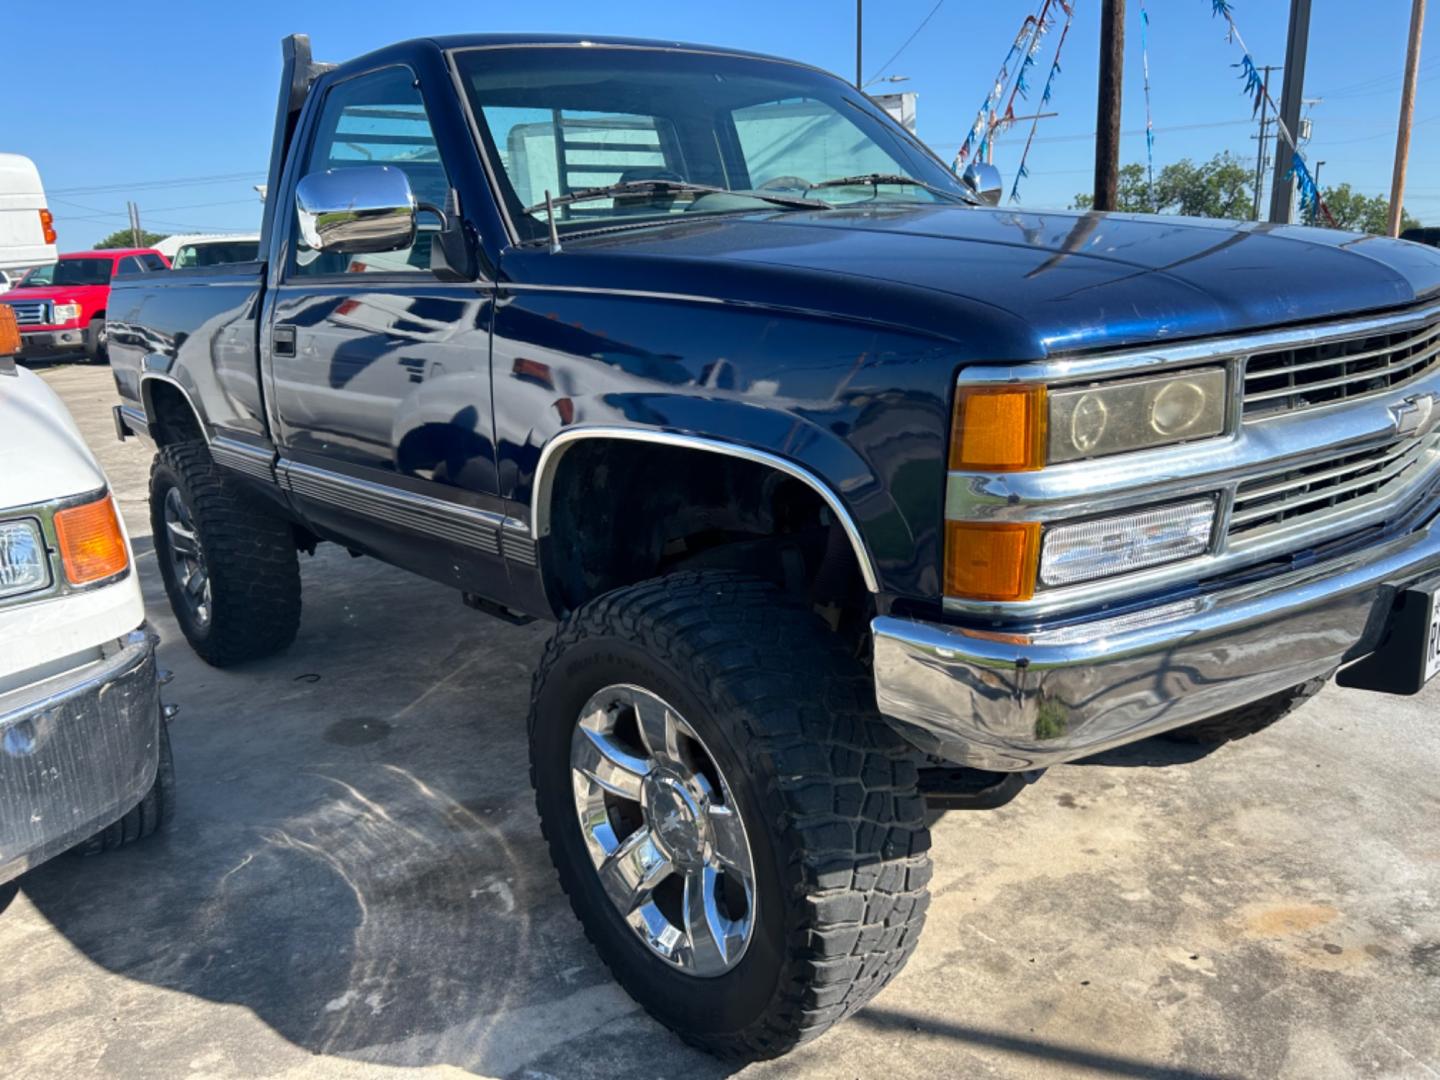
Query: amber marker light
x,y
47,226
998,429
987,560
9,331
92,547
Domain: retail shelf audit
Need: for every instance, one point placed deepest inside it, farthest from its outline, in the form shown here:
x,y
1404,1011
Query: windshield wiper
x,y
666,187
876,179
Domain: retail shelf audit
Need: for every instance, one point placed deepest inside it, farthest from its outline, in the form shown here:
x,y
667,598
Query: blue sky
x,y
171,104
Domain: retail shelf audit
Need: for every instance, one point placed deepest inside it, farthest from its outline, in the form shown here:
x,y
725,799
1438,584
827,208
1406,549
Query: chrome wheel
x,y
187,560
663,830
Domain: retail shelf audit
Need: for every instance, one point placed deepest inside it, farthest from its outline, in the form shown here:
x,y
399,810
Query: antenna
x,y
550,218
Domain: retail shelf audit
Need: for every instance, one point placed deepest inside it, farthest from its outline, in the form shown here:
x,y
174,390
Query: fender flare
x,y
555,448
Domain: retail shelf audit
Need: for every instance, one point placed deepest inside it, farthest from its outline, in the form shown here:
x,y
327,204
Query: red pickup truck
x,y
60,306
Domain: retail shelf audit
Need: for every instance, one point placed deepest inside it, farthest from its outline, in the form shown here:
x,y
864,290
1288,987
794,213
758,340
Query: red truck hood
x,y
89,296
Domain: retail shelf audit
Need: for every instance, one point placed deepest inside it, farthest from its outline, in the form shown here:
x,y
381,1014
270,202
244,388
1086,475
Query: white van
x,y
27,231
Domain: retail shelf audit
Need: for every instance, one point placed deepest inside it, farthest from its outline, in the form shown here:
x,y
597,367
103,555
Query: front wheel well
x,y
623,511
172,417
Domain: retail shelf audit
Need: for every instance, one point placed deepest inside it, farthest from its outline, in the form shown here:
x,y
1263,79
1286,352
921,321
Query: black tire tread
x,y
146,817
1248,719
839,785
250,556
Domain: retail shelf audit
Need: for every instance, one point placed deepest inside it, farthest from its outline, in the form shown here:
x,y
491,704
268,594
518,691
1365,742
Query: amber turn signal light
x,y
987,560
998,428
9,331
92,547
47,226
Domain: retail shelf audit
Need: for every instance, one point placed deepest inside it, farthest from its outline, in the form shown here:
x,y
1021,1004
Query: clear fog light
x,y
1125,543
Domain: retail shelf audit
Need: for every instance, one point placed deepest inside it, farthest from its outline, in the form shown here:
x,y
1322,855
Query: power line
x,y
150,185
914,34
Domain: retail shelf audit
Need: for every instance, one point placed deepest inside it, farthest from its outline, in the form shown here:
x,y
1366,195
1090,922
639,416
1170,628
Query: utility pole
x,y
1315,207
1407,116
135,232
1107,109
1260,147
1282,188
859,39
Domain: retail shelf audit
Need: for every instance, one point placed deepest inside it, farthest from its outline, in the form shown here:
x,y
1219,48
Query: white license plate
x,y
1432,639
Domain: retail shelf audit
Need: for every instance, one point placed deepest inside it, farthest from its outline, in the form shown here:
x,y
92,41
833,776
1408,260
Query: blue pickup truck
x,y
847,488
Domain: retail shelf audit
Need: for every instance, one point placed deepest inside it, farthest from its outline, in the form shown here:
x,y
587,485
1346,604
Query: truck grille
x,y
1309,375
30,312
1376,475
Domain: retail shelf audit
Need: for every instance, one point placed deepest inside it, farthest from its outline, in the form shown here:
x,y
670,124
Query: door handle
x,y
282,340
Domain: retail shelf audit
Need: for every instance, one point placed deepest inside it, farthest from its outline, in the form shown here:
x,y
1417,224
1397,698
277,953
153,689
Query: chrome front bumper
x,y
1013,701
77,753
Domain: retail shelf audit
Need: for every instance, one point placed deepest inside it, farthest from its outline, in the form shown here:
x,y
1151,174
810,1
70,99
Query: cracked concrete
x,y
355,885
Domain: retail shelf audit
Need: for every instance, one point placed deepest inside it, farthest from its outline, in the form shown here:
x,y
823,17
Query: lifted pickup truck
x,y
830,472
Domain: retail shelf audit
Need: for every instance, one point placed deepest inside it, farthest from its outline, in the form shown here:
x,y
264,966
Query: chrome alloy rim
x,y
186,557
663,830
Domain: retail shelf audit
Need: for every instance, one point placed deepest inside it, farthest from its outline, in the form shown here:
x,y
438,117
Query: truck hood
x,y
1050,281
42,454
88,296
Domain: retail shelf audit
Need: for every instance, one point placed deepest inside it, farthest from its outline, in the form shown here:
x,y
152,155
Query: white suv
x,y
84,750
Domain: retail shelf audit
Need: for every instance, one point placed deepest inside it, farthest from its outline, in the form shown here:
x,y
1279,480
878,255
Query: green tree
x,y
121,238
1218,188
1361,213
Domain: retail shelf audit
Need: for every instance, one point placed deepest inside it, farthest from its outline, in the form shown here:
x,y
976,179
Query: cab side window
x,y
375,119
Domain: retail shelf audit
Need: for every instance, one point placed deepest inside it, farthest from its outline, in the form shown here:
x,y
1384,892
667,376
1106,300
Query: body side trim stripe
x,y
462,525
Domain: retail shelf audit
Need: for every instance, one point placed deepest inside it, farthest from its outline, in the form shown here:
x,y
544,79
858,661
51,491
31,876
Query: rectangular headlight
x,y
1135,414
23,565
66,313
1126,542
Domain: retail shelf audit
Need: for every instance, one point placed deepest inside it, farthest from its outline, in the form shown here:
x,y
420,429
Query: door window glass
x,y
376,119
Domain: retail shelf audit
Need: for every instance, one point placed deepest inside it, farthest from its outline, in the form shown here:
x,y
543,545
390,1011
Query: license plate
x,y
1432,639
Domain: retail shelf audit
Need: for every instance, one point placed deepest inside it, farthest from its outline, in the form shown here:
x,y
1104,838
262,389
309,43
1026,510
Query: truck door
x,y
380,371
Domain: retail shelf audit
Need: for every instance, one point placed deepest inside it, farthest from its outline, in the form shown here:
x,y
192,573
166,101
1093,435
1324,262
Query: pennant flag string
x,y
1310,198
992,118
1022,171
1149,120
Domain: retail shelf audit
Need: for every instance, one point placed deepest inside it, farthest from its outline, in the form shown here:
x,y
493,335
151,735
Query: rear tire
x,y
229,564
95,351
1248,719
824,789
150,814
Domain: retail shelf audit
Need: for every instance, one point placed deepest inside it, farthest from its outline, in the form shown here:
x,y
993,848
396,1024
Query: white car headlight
x,y
1135,414
66,312
1126,542
23,565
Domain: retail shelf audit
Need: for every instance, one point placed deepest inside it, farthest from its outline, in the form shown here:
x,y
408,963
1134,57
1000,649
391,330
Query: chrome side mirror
x,y
984,181
358,211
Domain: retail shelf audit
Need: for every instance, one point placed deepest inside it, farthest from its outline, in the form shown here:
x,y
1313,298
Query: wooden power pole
x,y
1407,116
1107,109
1282,188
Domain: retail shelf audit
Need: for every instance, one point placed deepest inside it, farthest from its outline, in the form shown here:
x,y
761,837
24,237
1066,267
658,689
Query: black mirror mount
x,y
452,250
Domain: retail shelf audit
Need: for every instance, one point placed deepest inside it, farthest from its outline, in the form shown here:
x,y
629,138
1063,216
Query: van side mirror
x,y
984,182
358,211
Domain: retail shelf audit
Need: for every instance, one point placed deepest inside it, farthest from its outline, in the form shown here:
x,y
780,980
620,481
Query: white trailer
x,y
27,231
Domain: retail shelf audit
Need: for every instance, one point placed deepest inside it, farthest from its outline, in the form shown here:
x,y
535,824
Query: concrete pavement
x,y
355,885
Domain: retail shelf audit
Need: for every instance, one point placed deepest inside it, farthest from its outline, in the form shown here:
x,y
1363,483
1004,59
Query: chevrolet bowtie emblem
x,y
1415,415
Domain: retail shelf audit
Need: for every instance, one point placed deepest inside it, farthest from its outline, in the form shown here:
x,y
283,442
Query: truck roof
x,y
480,41
107,253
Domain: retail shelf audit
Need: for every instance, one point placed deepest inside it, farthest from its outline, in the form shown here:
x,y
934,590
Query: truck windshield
x,y
563,119
70,272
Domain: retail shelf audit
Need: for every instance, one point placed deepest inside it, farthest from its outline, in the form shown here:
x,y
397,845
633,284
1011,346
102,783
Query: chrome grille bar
x,y
1309,375
30,312
1300,493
